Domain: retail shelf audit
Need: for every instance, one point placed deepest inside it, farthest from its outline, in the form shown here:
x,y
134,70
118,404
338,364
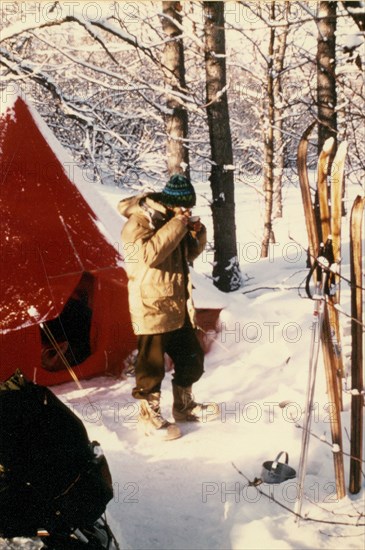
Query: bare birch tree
x,y
272,123
279,141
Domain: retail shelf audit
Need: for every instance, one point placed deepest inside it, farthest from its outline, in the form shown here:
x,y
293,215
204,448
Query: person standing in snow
x,y
163,241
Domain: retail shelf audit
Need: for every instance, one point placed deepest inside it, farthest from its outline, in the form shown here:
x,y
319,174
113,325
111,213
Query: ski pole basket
x,y
274,471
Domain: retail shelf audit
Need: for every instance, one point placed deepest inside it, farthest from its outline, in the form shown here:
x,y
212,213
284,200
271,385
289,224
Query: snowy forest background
x,y
222,91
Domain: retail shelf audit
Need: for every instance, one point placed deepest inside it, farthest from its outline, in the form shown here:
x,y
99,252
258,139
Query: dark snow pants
x,y
182,345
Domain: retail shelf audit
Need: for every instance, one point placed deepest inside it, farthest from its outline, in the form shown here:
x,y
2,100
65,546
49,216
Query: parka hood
x,y
130,205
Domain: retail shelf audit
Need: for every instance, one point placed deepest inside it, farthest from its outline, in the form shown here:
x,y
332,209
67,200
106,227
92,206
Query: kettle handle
x,y
275,463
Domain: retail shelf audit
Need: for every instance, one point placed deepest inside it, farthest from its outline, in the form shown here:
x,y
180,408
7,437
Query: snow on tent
x,y
59,268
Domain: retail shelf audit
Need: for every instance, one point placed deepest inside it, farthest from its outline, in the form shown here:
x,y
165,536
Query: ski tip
x,y
343,147
328,145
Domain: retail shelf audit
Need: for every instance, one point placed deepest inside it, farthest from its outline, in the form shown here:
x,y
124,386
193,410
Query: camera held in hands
x,y
194,223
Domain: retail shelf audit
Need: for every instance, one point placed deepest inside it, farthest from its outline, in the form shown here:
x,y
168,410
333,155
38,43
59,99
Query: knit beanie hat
x,y
178,192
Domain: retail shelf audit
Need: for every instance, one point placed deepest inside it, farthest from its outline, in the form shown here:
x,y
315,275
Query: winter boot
x,y
151,420
185,409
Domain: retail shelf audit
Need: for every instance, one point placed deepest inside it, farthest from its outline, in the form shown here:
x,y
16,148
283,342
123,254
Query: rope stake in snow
x,y
317,323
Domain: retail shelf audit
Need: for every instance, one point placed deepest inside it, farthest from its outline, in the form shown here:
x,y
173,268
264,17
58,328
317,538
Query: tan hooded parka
x,y
156,255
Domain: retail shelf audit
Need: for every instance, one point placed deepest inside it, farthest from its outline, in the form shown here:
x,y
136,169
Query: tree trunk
x,y
174,74
279,57
326,77
226,271
268,129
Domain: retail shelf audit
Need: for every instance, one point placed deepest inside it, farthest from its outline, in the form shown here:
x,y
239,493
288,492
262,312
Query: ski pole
x,y
317,323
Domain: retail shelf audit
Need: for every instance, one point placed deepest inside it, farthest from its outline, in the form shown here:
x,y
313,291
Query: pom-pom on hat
x,y
178,192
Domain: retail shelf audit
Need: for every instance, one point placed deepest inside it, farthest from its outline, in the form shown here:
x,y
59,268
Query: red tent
x,y
54,253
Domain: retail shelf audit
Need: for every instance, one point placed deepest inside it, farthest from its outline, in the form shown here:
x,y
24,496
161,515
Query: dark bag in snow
x,y
51,475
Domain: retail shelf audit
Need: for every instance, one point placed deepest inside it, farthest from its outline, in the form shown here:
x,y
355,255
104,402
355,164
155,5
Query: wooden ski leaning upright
x,y
322,186
326,337
331,327
337,175
330,217
334,404
357,397
310,219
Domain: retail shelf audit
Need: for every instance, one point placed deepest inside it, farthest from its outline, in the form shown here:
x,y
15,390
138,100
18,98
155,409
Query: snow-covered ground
x,y
187,493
